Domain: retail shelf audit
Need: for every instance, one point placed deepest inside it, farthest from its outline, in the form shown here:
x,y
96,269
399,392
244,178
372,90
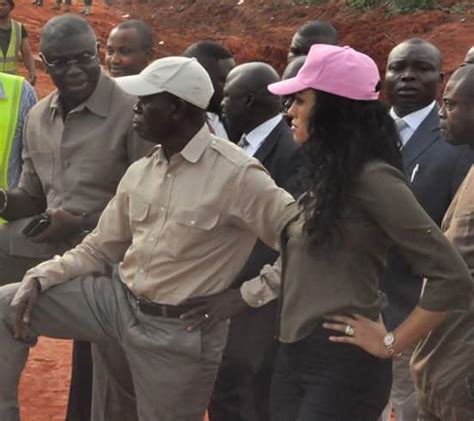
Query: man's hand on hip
x,y
22,306
213,309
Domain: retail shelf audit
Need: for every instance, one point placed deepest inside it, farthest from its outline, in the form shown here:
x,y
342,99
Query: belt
x,y
161,310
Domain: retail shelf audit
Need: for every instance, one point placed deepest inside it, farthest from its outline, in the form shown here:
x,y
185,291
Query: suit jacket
x,y
446,356
251,336
283,159
440,169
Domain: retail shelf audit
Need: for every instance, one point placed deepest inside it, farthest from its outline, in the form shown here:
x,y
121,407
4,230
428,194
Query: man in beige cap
x,y
181,226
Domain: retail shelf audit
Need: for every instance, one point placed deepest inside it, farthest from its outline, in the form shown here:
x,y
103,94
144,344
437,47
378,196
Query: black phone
x,y
37,225
470,386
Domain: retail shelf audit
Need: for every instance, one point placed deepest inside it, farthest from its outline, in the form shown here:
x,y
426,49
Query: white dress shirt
x,y
412,121
256,137
216,125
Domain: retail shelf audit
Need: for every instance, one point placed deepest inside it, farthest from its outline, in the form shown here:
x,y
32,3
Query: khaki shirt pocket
x,y
193,233
139,210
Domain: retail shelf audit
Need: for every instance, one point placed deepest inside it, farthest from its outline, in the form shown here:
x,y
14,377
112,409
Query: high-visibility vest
x,y
9,114
9,62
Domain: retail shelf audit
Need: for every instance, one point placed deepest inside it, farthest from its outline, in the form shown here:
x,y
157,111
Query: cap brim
x,y
137,85
287,87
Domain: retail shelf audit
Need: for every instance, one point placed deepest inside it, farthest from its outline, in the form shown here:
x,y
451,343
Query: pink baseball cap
x,y
336,70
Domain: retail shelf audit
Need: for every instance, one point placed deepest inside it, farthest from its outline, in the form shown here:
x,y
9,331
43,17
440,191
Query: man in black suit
x,y
243,383
435,170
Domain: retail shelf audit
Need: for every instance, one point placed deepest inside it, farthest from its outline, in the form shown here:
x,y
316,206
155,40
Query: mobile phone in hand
x,y
37,225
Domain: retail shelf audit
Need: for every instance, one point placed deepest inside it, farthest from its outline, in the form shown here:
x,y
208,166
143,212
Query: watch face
x,y
389,339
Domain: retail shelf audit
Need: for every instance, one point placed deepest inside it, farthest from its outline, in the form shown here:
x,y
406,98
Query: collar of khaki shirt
x,y
191,152
98,103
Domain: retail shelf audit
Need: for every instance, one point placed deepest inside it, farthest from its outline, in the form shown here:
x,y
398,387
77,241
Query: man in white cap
x,y
181,226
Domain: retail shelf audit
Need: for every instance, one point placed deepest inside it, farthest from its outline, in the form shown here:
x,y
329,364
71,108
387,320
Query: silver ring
x,y
349,331
206,316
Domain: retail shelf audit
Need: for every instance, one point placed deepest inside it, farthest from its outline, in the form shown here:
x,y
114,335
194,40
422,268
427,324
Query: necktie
x,y
243,142
401,126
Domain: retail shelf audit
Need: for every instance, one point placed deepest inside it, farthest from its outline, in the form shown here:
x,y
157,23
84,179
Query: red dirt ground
x,y
252,30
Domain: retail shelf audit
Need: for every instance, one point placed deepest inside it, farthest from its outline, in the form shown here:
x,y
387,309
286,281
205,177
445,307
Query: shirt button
x,y
168,175
193,222
141,271
260,302
213,142
428,231
152,239
162,209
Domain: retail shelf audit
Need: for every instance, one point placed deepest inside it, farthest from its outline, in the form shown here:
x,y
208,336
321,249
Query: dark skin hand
x,y
22,306
210,310
64,225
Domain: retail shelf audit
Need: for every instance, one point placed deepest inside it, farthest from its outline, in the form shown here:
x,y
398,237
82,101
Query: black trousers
x,y
80,391
318,380
242,388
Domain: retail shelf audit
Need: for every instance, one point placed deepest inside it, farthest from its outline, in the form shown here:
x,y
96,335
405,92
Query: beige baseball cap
x,y
180,76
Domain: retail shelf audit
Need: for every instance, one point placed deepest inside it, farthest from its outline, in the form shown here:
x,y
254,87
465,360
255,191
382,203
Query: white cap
x,y
180,76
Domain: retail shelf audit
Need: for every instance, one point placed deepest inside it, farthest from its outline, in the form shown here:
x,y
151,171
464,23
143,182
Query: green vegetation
x,y
395,6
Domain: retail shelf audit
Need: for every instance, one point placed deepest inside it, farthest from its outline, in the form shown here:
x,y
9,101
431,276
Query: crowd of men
x,y
76,147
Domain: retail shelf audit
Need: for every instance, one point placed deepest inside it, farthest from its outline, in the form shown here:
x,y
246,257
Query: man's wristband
x,y
4,194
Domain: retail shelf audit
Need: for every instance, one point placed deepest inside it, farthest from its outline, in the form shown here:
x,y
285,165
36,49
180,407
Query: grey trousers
x,y
173,370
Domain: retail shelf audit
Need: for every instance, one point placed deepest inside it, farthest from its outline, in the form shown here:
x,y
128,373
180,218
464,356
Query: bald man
x,y
469,59
434,169
242,388
312,32
443,364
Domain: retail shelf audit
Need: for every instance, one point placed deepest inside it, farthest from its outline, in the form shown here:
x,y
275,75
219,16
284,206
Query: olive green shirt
x,y
343,277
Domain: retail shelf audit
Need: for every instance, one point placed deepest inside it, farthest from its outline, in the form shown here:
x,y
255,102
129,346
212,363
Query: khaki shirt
x,y
182,228
445,358
343,277
75,162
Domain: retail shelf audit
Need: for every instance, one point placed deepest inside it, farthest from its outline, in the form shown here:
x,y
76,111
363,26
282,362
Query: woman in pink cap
x,y
334,361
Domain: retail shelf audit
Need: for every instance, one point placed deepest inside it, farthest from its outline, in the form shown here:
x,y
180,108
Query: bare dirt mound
x,y
262,30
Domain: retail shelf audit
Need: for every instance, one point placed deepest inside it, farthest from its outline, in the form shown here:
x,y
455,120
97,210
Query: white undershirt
x,y
256,137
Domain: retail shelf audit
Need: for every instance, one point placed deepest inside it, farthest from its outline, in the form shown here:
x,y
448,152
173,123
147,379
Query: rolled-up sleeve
x,y
105,245
386,197
258,204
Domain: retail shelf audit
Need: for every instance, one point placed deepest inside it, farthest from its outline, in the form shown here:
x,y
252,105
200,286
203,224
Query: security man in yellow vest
x,y
17,96
13,41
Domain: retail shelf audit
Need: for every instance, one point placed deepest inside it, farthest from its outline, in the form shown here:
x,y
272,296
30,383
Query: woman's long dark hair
x,y
344,135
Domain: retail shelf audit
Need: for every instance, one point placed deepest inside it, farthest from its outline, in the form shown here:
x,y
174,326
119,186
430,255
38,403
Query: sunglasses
x,y
60,63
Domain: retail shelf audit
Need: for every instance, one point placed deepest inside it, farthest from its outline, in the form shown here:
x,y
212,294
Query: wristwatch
x,y
389,342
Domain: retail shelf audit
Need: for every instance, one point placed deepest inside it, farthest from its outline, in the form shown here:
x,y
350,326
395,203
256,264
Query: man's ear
x,y
249,100
178,109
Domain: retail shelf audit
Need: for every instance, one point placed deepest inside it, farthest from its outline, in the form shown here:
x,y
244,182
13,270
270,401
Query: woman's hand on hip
x,y
360,331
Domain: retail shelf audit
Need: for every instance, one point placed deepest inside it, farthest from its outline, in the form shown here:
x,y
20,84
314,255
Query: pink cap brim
x,y
287,87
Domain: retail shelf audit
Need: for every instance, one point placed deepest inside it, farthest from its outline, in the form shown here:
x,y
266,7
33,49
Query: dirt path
x,y
45,382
